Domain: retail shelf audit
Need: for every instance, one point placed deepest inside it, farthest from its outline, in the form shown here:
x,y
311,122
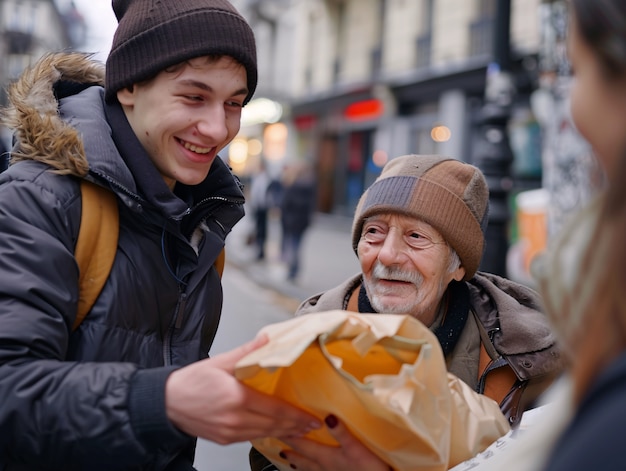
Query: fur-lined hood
x,y
33,113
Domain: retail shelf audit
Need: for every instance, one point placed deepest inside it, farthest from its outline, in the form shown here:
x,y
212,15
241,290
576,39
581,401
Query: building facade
x,y
29,29
362,81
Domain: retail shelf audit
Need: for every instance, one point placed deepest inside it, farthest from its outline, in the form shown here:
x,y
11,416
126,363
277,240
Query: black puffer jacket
x,y
94,399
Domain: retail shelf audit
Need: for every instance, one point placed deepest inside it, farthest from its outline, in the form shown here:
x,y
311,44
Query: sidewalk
x,y
327,258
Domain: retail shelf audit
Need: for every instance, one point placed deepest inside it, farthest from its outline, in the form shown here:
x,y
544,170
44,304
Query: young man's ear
x,y
126,95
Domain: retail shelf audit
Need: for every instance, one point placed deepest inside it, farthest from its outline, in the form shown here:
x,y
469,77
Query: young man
x,y
125,390
419,235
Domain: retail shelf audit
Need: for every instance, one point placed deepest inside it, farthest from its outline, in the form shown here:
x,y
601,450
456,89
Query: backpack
x,y
96,245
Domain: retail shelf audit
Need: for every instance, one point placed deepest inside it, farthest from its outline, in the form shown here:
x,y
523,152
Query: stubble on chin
x,y
402,301
409,299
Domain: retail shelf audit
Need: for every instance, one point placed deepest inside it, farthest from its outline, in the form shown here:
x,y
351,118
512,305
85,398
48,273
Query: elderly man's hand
x,y
307,455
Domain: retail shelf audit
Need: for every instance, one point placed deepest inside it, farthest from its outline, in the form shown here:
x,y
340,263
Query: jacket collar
x,y
513,311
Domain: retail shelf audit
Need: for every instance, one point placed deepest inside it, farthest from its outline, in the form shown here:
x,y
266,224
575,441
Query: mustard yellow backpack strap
x,y
353,302
220,262
96,245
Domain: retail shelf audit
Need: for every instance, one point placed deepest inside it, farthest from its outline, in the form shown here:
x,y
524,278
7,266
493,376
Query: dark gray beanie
x,y
153,35
450,195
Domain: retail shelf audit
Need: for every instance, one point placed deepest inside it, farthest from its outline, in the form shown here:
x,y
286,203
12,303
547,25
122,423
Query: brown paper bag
x,y
385,377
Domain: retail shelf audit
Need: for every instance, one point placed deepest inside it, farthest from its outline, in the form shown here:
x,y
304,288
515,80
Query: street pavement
x,y
326,260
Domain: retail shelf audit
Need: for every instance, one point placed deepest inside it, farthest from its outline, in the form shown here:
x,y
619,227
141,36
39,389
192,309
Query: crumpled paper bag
x,y
385,377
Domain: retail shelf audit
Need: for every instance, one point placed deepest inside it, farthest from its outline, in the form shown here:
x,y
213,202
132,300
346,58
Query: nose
x,y
392,250
212,123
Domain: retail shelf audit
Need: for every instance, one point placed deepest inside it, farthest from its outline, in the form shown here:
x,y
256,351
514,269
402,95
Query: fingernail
x,y
293,466
282,455
331,421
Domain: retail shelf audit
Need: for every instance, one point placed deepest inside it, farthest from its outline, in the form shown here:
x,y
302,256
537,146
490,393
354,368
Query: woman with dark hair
x,y
583,277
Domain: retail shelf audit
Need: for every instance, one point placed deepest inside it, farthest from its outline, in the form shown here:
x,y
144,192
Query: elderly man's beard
x,y
376,292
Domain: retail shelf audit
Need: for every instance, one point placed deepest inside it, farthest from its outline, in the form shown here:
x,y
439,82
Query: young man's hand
x,y
307,455
205,400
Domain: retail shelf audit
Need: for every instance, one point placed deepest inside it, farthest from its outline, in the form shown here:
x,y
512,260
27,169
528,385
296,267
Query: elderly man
x,y
418,232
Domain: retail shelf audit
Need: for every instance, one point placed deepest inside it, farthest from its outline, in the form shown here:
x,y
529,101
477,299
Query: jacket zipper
x,y
176,323
222,199
179,313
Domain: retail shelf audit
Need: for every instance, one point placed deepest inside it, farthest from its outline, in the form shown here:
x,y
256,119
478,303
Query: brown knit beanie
x,y
153,35
450,195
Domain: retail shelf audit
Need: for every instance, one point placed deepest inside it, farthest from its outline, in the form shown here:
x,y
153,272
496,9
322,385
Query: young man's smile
x,y
184,117
196,149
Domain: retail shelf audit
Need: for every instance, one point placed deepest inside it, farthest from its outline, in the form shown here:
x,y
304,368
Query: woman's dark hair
x,y
602,25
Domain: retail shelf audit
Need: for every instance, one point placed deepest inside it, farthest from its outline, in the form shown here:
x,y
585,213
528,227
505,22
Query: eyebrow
x,y
417,226
208,88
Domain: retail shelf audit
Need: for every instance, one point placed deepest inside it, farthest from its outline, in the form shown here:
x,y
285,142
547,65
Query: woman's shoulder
x,y
609,390
595,437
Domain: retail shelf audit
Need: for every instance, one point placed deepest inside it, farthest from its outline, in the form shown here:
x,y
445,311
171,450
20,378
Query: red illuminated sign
x,y
364,110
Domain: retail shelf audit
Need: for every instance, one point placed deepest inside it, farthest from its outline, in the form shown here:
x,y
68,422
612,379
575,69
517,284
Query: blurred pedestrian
x,y
296,210
261,201
132,386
